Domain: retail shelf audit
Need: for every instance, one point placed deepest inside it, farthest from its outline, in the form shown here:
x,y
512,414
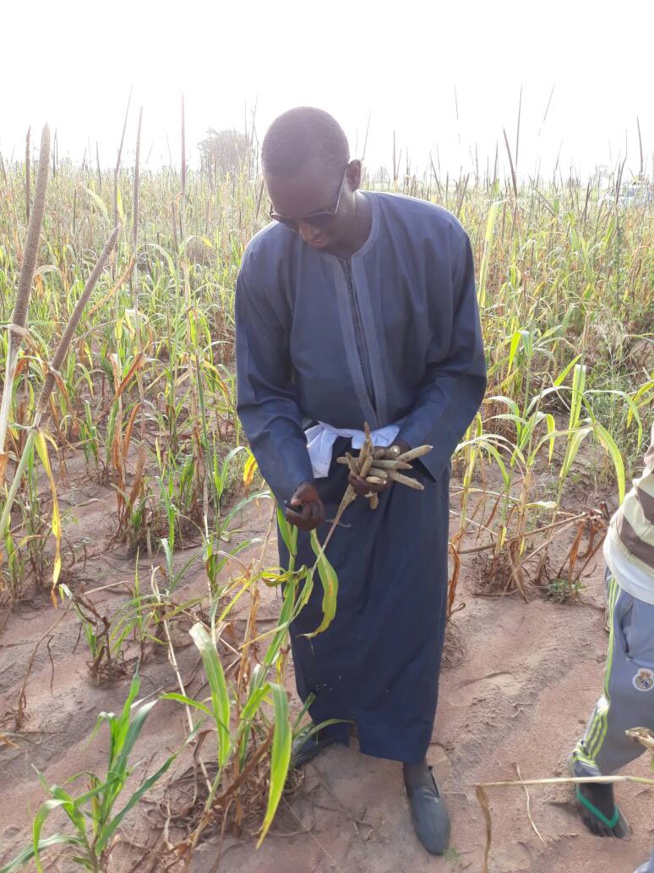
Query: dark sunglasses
x,y
320,218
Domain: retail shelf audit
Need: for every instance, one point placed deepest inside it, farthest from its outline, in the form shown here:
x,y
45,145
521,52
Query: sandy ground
x,y
523,681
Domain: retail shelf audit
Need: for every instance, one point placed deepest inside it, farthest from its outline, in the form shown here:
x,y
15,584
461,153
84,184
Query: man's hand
x,y
305,509
363,488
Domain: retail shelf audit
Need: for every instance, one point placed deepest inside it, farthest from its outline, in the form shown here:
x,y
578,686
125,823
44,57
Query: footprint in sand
x,y
480,689
518,857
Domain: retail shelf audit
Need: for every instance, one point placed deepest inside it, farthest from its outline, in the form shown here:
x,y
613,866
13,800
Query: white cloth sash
x,y
321,438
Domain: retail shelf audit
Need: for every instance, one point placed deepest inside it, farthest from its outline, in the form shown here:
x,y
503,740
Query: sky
x,y
446,77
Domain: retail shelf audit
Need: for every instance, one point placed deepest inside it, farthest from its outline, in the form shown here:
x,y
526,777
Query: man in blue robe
x,y
356,307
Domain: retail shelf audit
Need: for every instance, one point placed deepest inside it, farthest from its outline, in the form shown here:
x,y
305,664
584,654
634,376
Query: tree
x,y
224,151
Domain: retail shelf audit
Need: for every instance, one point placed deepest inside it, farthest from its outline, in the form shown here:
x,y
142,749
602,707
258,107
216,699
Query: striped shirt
x,y
629,544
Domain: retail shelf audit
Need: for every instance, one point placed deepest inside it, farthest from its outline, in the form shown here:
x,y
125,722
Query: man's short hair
x,y
301,134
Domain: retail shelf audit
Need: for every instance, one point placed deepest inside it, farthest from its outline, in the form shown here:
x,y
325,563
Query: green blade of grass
x,y
220,703
281,755
329,581
49,842
110,829
605,438
40,819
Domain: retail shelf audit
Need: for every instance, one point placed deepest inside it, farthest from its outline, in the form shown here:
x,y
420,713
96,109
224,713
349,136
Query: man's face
x,y
305,200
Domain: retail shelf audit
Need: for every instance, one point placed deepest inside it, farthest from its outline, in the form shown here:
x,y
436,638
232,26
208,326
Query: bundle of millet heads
x,y
375,467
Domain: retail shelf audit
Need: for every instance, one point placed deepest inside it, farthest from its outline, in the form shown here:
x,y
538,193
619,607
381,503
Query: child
x,y
628,699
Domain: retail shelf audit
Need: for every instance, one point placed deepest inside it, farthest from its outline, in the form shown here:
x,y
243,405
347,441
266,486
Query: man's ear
x,y
354,171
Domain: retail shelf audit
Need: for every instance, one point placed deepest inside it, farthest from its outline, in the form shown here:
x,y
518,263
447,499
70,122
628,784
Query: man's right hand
x,y
305,509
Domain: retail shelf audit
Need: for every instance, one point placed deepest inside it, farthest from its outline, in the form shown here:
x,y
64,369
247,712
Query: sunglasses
x,y
320,218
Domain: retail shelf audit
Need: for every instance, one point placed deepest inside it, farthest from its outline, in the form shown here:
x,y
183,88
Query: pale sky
x,y
73,63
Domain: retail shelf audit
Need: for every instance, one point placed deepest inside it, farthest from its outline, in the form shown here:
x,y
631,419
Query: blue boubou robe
x,y
391,335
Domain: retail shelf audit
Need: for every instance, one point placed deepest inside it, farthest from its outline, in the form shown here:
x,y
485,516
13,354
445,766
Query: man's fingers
x,y
364,488
358,484
305,516
299,522
299,510
317,512
296,513
391,453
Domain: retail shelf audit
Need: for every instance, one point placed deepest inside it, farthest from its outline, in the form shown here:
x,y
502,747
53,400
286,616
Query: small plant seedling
x,y
453,856
93,814
563,590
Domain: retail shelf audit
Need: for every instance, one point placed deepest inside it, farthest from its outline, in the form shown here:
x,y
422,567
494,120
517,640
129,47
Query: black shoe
x,y
304,751
429,815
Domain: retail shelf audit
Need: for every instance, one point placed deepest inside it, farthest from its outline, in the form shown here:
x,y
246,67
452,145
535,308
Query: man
x,y
628,699
358,307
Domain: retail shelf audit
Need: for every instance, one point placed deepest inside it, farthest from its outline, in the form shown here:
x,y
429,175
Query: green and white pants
x,y
628,698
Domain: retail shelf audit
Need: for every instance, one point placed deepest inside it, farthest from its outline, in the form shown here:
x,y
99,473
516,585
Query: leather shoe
x,y
430,818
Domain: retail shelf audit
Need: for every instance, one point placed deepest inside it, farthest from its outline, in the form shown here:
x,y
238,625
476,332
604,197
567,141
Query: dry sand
x,y
524,679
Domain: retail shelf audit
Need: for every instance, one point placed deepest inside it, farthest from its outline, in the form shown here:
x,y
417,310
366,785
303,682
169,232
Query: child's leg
x,y
605,747
628,699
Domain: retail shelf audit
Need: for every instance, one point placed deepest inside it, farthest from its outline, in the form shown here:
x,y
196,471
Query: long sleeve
x,y
267,403
453,388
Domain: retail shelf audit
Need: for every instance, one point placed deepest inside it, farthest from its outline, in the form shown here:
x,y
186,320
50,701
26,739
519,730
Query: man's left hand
x,y
391,453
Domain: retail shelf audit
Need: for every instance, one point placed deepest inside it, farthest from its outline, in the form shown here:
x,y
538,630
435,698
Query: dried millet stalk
x,y
66,337
31,251
16,330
